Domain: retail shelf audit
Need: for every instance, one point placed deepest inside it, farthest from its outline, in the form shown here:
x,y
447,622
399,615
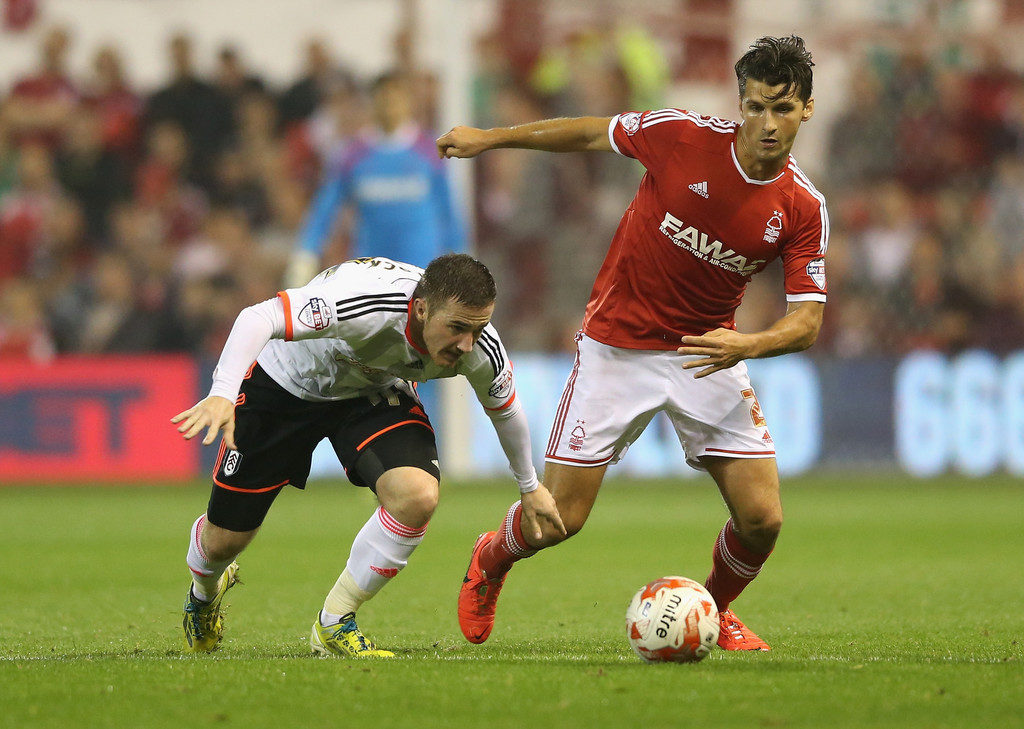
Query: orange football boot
x,y
478,596
733,635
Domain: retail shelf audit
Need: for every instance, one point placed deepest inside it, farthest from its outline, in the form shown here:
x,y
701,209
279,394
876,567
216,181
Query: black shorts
x,y
276,433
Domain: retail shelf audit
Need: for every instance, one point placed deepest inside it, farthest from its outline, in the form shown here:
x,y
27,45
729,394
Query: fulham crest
x,y
231,462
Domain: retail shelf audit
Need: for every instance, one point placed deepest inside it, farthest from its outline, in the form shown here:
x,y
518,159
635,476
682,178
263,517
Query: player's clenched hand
x,y
720,349
215,414
540,505
463,142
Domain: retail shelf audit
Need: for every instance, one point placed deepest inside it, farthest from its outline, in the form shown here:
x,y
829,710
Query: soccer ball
x,y
672,619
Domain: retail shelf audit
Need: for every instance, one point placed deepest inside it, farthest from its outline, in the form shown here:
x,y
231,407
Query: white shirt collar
x,y
752,181
404,136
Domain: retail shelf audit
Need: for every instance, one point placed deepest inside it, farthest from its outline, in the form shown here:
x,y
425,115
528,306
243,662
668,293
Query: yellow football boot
x,y
202,621
344,639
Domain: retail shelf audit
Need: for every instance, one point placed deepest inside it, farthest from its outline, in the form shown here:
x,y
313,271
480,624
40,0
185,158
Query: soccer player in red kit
x,y
718,202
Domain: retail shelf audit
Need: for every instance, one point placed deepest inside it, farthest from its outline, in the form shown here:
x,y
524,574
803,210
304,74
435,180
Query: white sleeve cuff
x,y
529,485
611,134
514,436
793,298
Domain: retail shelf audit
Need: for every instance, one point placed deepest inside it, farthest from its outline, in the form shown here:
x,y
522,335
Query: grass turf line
x,y
888,602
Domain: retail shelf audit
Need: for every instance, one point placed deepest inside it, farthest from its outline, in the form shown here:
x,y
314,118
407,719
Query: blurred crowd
x,y
926,191
134,221
144,220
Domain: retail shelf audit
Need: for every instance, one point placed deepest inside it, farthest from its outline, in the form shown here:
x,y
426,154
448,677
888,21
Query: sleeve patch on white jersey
x,y
502,386
816,270
630,122
316,314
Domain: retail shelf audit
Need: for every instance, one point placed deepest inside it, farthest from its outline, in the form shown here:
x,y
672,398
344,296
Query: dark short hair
x,y
456,276
775,61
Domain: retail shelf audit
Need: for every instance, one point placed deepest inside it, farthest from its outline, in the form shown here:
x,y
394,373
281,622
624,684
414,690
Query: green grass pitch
x,y
889,603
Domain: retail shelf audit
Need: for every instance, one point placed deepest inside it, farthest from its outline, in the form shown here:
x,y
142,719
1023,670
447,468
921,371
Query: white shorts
x,y
613,393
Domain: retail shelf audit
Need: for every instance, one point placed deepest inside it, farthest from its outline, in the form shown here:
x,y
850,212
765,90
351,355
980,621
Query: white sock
x,y
379,552
205,574
344,598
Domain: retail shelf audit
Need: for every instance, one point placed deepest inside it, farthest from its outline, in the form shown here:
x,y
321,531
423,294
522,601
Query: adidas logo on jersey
x,y
701,188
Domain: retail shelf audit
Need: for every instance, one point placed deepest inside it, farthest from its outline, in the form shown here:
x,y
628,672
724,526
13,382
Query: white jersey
x,y
346,334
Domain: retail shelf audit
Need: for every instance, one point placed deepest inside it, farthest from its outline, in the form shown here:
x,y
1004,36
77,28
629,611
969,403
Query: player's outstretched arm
x,y
723,348
216,414
539,509
577,134
253,328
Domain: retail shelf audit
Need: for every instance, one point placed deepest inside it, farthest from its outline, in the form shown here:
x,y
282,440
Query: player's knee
x,y
761,527
422,500
413,501
573,521
551,537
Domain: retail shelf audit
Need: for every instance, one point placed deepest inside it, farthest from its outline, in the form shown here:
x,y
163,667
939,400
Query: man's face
x,y
392,105
451,329
181,55
770,125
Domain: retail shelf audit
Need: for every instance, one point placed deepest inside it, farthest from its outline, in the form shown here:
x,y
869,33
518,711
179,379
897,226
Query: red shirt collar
x,y
408,332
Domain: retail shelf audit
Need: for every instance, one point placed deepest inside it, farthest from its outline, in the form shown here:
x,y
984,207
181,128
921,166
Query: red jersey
x,y
696,231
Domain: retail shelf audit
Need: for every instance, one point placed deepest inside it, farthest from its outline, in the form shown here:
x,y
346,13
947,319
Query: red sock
x,y
733,567
507,546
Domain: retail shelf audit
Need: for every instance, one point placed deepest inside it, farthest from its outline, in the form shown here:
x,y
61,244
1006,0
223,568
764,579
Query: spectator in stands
x,y
24,208
1002,330
1005,216
23,328
237,184
862,143
41,104
92,174
224,241
333,128
116,320
8,156
300,100
161,183
117,106
64,246
887,243
202,112
288,202
990,92
233,79
263,152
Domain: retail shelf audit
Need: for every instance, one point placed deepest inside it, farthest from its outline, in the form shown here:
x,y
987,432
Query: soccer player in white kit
x,y
718,202
336,359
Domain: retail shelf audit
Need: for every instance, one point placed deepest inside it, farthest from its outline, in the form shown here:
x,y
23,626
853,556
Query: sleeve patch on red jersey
x,y
816,270
630,122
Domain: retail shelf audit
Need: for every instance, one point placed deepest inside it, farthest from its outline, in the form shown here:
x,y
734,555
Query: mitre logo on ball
x,y
673,619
